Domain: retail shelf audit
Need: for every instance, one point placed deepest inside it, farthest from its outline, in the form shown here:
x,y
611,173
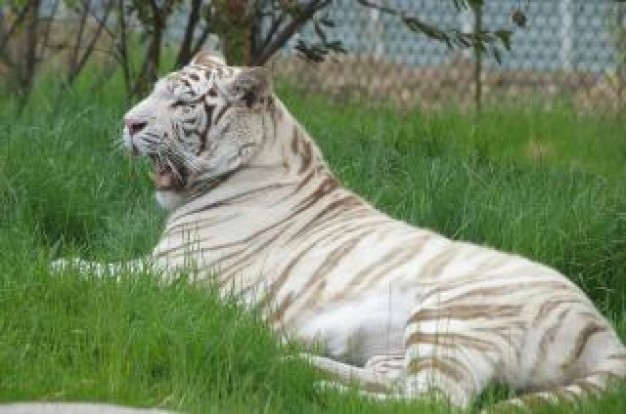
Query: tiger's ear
x,y
208,59
252,85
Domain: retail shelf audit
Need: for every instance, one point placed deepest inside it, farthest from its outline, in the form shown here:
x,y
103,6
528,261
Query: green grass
x,y
548,185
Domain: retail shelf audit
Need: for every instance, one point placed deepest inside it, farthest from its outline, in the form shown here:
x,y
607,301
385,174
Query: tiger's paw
x,y
80,266
336,387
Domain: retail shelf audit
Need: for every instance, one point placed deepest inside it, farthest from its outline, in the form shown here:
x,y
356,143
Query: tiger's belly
x,y
355,330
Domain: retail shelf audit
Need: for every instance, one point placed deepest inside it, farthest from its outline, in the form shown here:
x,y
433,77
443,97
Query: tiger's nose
x,y
134,125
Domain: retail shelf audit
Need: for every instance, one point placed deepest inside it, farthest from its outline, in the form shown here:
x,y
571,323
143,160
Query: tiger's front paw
x,y
62,265
79,265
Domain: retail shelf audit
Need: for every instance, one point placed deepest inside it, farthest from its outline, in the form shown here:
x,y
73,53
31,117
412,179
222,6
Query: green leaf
x,y
418,26
505,37
497,54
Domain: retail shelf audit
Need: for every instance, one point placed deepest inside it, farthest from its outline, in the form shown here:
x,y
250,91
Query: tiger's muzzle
x,y
166,175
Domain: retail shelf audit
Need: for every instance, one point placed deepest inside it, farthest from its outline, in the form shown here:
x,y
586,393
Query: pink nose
x,y
134,125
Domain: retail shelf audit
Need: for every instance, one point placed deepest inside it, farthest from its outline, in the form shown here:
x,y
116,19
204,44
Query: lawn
x,y
548,185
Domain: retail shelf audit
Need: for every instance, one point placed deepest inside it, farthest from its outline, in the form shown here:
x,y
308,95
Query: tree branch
x,y
92,43
122,50
298,19
184,52
4,37
383,9
482,40
200,41
102,24
274,27
46,34
86,8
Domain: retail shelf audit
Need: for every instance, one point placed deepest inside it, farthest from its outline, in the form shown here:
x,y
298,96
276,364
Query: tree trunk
x,y
184,53
122,50
150,68
233,25
30,56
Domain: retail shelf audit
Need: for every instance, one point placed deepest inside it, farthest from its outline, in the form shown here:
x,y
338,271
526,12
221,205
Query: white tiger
x,y
400,310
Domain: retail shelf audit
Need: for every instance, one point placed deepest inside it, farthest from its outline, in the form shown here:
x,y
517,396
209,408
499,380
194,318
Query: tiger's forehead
x,y
195,79
199,73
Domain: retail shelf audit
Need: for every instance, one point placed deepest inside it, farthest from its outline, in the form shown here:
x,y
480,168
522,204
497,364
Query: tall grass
x,y
548,185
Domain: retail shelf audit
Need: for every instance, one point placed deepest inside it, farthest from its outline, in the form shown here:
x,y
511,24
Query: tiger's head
x,y
198,126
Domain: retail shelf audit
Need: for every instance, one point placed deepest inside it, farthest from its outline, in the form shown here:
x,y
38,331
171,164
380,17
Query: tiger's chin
x,y
169,186
170,199
165,178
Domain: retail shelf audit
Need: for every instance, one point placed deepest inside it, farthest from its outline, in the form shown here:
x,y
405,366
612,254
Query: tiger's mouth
x,y
166,176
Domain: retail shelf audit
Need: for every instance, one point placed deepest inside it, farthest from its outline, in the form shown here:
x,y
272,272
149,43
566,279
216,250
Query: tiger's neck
x,y
287,146
287,159
240,227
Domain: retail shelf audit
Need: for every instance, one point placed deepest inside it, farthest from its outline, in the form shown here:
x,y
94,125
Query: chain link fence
x,y
562,51
571,51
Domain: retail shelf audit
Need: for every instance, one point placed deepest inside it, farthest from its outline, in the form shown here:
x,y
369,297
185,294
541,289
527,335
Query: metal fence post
x,y
567,27
478,57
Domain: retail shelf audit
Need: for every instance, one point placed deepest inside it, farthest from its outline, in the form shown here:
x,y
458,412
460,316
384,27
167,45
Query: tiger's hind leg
x,y
452,352
379,377
100,270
